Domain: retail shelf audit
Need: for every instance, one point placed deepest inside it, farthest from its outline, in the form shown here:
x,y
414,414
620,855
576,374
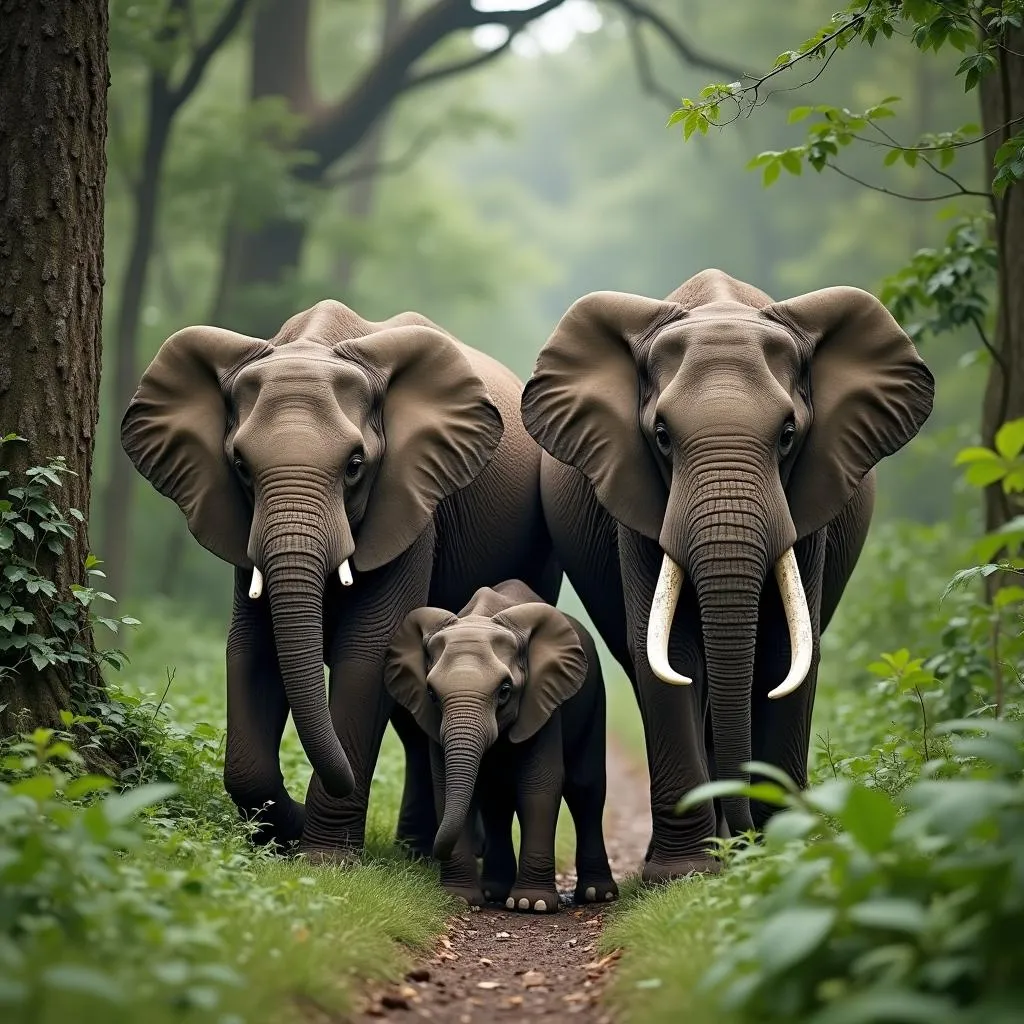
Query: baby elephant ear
x,y
405,672
556,664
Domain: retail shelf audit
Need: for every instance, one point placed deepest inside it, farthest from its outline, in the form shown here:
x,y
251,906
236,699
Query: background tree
x,y
53,111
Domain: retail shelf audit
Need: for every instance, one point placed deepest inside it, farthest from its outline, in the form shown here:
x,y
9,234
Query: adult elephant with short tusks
x,y
351,471
712,492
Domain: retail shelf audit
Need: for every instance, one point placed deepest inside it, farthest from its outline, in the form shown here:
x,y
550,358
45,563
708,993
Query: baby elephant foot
x,y
537,901
658,870
590,890
334,856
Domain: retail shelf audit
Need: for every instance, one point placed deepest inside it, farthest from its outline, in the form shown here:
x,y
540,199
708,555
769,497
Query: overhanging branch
x,y
203,54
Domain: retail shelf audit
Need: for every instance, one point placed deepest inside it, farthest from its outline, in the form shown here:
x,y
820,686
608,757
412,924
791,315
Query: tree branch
x,y
202,56
905,195
684,49
460,66
372,168
644,70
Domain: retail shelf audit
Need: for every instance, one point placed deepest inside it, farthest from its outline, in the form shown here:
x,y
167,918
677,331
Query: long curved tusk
x,y
659,626
798,619
345,574
256,587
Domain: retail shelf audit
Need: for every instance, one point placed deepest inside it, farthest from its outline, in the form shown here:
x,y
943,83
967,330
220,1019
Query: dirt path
x,y
497,964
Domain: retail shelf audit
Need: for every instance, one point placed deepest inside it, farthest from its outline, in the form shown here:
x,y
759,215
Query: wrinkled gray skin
x,y
386,444
511,695
720,429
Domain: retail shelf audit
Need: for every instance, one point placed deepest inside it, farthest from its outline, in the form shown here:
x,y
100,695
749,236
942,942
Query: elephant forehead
x,y
705,344
474,638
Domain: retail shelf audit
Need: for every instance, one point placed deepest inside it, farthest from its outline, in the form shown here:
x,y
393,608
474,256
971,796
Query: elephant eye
x,y
432,694
786,438
354,469
504,692
243,472
662,439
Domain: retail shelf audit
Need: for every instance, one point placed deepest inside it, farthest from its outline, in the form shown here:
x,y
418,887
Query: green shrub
x,y
875,907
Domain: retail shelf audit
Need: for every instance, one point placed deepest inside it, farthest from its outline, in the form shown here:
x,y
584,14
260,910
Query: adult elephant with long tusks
x,y
709,493
351,471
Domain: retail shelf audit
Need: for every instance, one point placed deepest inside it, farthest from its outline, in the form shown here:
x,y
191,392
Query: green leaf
x,y
799,114
791,935
118,809
975,454
771,771
830,797
892,914
982,474
790,825
85,785
791,162
84,980
771,173
870,817
38,787
710,791
1009,439
882,1006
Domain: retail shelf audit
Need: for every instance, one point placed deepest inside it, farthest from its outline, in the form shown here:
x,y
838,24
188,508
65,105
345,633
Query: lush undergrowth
x,y
153,905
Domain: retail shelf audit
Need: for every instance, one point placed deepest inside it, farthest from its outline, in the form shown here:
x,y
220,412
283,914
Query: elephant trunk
x,y
296,572
465,738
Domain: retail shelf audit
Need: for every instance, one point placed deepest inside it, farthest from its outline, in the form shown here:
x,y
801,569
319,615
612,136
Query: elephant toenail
x,y
510,903
591,894
540,906
609,896
524,904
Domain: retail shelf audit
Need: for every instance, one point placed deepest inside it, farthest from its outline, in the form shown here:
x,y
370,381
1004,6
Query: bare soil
x,y
496,964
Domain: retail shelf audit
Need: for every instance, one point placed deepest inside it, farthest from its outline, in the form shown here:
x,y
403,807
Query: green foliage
x,y
874,907
37,624
1003,465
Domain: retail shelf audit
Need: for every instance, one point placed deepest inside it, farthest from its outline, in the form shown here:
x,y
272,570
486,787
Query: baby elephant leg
x,y
538,796
497,808
585,790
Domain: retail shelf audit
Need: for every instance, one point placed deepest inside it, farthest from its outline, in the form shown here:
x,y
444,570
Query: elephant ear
x,y
556,664
440,429
582,404
174,429
870,394
405,671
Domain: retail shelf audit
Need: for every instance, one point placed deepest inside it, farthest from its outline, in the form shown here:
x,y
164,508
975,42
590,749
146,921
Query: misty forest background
x,y
262,156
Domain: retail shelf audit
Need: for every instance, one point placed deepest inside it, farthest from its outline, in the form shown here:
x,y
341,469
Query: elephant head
x,y
326,449
726,427
469,680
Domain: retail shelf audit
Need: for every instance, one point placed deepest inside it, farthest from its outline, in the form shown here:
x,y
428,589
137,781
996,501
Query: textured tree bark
x,y
1002,101
53,124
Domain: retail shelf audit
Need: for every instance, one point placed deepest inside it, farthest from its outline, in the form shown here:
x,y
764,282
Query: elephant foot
x,y
414,849
537,901
659,870
495,890
596,890
324,856
471,895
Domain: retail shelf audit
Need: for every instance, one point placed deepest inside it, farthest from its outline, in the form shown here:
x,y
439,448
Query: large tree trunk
x,y
53,124
1002,101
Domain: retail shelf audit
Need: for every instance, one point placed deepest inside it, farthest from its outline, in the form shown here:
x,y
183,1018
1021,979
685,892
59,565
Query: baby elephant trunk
x,y
467,731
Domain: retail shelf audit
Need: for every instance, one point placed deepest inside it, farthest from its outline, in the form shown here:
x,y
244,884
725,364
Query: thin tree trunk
x,y
362,193
117,494
53,125
1002,100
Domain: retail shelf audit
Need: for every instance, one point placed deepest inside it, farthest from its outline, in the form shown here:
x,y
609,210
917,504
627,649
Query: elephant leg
x,y
673,719
844,541
497,808
366,617
585,792
256,715
460,874
781,729
538,797
417,819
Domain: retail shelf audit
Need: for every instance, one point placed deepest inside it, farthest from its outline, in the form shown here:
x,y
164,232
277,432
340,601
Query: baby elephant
x,y
511,692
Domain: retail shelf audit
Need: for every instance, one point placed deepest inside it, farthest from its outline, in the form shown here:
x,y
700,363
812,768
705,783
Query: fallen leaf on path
x,y
488,984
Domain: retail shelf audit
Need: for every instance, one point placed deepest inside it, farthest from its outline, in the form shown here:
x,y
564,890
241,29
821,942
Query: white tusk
x,y
345,574
256,587
659,626
798,618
